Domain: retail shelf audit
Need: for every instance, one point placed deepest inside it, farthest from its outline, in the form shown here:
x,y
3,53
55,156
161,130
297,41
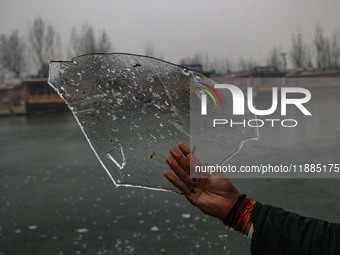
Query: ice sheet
x,y
131,109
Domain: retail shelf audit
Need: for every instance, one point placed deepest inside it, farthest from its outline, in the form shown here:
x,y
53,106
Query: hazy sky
x,y
176,29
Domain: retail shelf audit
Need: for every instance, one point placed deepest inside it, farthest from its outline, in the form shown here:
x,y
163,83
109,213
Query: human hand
x,y
214,196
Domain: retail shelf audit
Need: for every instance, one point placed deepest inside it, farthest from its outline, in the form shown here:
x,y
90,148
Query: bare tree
x,y
104,43
309,57
322,48
12,49
52,44
245,65
45,42
242,65
196,59
216,65
228,65
335,52
85,41
220,65
298,51
275,58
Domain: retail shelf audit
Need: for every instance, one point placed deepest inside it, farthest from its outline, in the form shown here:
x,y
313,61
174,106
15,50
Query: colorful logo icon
x,y
209,93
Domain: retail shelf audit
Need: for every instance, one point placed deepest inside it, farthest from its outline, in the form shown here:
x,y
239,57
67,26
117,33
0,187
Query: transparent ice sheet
x,y
215,145
131,109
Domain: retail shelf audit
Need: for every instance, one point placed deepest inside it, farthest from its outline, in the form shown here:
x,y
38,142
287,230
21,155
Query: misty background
x,y
225,36
55,197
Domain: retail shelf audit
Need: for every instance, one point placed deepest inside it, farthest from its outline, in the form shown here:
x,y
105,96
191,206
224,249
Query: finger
x,y
191,166
184,176
184,149
194,160
191,172
188,161
175,153
195,165
177,182
182,161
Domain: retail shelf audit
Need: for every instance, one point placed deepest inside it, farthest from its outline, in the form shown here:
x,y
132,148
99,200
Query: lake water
x,y
55,197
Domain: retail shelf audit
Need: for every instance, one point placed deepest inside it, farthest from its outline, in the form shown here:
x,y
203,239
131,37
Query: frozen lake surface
x,y
56,198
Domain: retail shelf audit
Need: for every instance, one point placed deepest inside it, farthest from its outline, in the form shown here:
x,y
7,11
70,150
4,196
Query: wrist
x,y
224,210
233,210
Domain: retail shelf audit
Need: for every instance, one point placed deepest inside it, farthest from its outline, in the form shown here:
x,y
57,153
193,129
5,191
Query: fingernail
x,y
169,160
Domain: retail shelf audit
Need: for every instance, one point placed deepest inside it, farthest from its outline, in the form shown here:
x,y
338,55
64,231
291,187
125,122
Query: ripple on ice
x,y
186,215
154,228
82,230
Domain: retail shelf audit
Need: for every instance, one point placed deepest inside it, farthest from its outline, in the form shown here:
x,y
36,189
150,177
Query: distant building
x,y
265,69
4,102
194,67
12,98
29,95
39,96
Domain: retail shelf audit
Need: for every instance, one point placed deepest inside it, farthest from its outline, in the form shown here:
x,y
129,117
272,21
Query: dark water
x,y
55,198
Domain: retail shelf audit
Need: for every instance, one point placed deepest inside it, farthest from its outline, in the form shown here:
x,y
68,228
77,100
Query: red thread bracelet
x,y
242,216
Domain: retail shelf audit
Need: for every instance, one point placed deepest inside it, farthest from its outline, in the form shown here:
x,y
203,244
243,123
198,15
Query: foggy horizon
x,y
176,30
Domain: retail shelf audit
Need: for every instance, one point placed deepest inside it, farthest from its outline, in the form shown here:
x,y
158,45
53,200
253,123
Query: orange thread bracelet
x,y
242,216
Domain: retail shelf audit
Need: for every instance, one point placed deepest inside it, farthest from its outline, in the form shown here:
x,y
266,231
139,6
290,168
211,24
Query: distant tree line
x,y
322,53
323,50
26,53
20,54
